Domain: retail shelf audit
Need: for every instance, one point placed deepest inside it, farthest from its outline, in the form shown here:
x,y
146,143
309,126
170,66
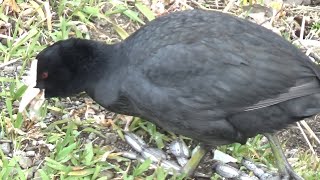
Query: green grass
x,y
316,26
64,154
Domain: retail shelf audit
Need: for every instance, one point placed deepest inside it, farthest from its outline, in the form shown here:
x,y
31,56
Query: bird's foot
x,y
187,165
289,174
284,168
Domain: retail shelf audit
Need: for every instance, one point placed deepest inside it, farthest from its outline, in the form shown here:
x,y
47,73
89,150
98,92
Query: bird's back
x,y
217,78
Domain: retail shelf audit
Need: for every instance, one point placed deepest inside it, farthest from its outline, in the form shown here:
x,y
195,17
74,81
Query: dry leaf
x,y
31,92
49,15
77,168
13,5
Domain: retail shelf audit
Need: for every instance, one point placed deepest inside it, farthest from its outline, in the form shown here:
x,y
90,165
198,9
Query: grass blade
x,y
145,11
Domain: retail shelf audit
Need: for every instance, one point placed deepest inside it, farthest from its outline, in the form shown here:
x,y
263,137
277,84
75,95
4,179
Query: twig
x,y
184,4
307,8
273,16
49,15
5,141
128,122
303,24
229,6
199,5
306,138
9,62
315,56
6,37
307,127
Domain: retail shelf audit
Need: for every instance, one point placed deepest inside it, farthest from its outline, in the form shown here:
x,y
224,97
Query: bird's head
x,y
61,67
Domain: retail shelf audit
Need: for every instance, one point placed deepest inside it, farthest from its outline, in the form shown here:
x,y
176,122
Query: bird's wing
x,y
213,60
217,75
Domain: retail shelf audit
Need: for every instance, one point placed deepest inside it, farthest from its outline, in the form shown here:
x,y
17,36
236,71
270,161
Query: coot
x,y
206,75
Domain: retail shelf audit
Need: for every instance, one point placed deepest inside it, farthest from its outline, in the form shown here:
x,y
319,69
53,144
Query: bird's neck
x,y
93,62
106,68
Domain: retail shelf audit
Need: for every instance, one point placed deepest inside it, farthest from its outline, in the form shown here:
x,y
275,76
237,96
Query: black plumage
x,y
206,75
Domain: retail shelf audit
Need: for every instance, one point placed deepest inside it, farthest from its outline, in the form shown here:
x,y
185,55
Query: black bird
x,y
206,75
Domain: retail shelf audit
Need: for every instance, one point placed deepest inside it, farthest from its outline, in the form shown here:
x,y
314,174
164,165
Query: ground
x,y
76,138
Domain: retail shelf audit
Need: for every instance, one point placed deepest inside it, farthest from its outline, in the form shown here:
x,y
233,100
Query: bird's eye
x,y
44,75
